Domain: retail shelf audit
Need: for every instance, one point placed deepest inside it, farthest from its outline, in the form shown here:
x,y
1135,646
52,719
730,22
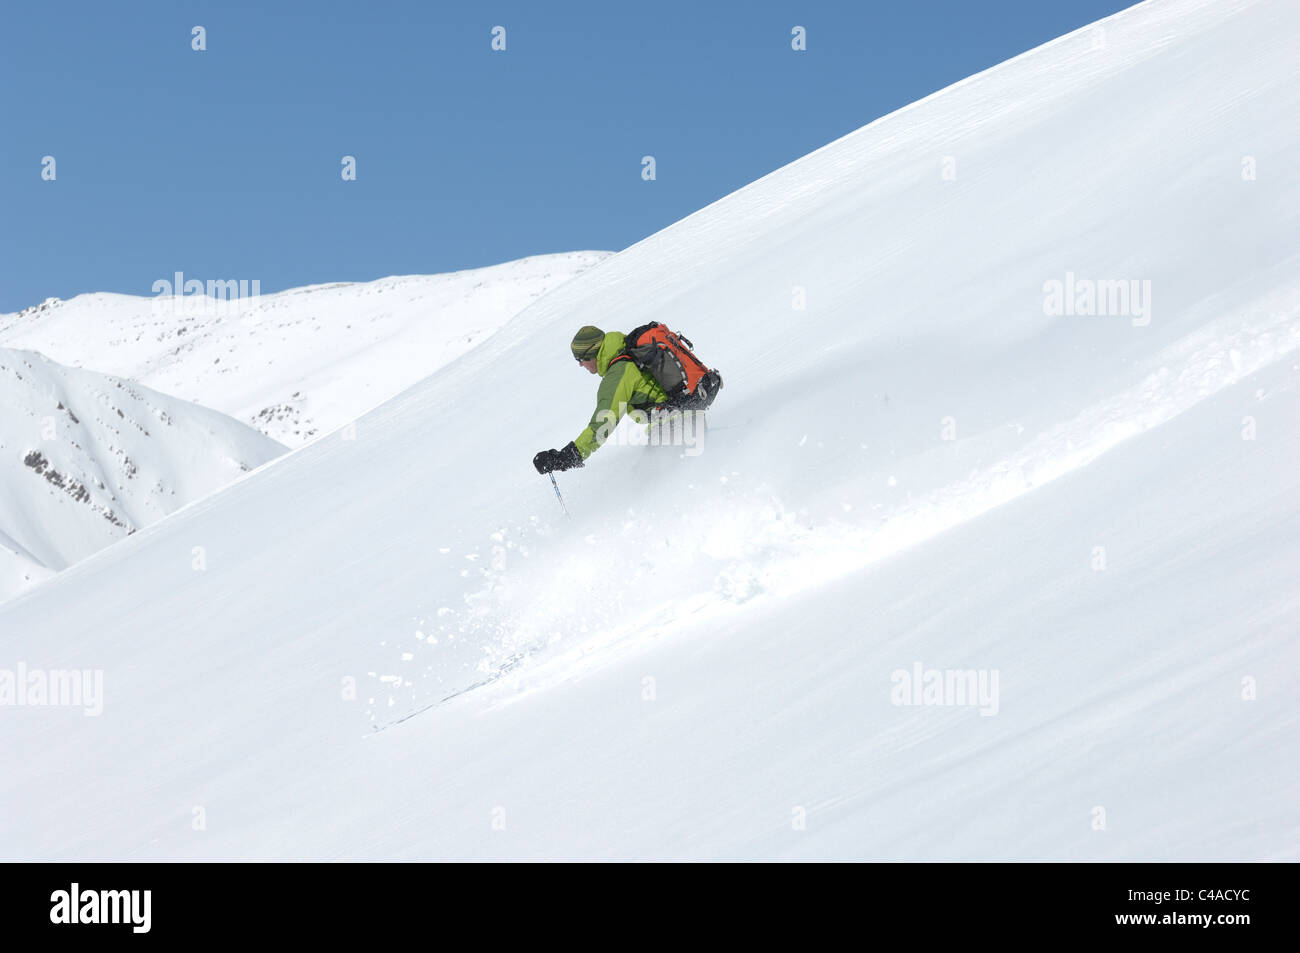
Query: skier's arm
x,y
612,401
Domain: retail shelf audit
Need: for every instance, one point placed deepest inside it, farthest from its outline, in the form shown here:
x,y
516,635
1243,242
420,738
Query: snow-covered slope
x,y
297,363
87,459
921,468
19,569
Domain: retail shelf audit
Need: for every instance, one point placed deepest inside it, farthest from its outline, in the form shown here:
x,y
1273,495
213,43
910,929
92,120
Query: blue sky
x,y
226,163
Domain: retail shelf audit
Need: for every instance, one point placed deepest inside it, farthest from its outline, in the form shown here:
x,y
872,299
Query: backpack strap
x,y
630,342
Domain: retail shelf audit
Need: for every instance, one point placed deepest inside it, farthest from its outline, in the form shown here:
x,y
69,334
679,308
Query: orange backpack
x,y
667,357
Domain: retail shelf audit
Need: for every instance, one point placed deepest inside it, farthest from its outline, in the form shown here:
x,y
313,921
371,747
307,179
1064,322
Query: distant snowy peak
x,y
297,363
37,310
86,459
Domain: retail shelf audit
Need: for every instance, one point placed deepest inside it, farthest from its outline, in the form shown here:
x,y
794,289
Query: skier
x,y
651,371
623,386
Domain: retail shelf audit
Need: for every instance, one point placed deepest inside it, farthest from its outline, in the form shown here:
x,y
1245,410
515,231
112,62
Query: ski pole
x,y
558,497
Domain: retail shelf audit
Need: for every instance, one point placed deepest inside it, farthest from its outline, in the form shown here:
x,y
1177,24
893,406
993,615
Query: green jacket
x,y
623,388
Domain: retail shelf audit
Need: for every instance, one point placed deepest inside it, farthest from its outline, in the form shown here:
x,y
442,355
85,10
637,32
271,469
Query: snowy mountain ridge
x,y
297,363
87,459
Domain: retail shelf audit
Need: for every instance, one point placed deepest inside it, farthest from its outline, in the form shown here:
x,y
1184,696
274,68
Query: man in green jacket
x,y
623,387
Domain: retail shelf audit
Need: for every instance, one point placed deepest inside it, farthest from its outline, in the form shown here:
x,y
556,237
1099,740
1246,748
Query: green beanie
x,y
586,343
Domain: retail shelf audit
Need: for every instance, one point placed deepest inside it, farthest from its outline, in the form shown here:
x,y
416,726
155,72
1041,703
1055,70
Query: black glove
x,y
565,459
